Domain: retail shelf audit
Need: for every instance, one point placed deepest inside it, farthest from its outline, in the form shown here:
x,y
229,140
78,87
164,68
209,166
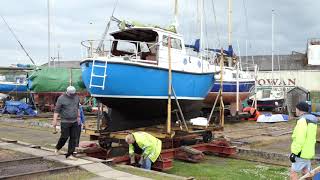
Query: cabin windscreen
x,y
175,43
143,46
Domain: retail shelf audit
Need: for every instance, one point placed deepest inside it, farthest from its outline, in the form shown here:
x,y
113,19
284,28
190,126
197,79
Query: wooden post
x,y
237,97
221,90
255,85
169,88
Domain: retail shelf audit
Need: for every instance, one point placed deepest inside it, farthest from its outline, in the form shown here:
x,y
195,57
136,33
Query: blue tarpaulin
x,y
18,108
317,177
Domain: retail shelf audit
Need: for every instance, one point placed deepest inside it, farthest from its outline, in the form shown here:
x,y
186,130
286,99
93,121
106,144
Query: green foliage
x,y
225,169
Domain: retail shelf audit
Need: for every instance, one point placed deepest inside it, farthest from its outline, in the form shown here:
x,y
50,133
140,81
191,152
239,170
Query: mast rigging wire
x,y
17,40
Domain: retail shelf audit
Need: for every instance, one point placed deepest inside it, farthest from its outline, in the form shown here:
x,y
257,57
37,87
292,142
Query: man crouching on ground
x,y
303,141
148,146
68,107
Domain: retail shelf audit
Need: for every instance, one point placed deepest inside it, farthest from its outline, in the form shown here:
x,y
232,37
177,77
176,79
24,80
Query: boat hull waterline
x,y
138,94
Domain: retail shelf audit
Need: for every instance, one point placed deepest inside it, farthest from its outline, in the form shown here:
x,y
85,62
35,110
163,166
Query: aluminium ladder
x,y
93,74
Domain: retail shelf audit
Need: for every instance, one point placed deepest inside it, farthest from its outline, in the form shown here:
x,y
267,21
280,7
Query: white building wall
x,y
309,79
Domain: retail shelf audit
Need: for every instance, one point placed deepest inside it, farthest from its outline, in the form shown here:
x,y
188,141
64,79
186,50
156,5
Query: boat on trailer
x,y
13,87
131,77
229,83
229,86
13,82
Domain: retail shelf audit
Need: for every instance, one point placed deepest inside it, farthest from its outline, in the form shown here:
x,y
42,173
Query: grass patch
x,y
69,175
224,168
141,173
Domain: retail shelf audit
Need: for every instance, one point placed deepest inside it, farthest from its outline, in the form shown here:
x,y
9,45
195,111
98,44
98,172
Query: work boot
x,y
71,157
57,152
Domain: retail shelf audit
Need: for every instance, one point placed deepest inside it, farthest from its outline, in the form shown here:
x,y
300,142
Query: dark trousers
x,y
78,135
68,131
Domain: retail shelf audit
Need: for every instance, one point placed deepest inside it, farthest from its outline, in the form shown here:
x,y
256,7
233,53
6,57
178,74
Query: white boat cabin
x,y
149,46
230,75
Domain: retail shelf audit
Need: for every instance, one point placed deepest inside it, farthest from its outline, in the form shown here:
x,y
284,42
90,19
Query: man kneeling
x,y
148,146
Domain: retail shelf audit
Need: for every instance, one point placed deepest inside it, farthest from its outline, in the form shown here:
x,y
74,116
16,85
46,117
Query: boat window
x,y
20,80
144,47
126,46
175,43
234,75
10,77
266,93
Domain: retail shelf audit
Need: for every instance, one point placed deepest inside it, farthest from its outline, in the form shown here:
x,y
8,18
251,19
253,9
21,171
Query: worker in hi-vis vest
x,y
303,141
148,146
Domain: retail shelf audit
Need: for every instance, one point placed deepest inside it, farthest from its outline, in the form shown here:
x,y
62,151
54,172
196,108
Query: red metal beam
x,y
164,162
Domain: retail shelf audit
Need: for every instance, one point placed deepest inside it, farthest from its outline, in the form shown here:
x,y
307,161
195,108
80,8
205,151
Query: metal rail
x,y
38,173
9,162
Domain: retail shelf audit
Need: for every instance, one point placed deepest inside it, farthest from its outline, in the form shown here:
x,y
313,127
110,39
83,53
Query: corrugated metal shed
x,y
294,96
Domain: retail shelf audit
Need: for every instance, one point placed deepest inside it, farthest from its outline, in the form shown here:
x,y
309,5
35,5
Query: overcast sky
x,y
73,21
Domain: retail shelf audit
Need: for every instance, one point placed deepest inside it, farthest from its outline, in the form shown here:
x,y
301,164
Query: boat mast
x,y
48,3
201,33
176,15
229,30
100,45
272,48
229,22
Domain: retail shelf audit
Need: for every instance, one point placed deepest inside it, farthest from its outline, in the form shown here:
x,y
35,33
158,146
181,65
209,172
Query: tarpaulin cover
x,y
55,80
271,118
18,108
128,24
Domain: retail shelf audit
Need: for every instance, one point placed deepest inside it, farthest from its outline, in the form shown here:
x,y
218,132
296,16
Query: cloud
x,y
73,21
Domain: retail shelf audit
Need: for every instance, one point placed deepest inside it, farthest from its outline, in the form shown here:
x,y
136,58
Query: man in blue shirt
x,y
81,126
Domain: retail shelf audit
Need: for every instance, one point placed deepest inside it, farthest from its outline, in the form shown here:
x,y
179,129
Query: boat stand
x,y
183,145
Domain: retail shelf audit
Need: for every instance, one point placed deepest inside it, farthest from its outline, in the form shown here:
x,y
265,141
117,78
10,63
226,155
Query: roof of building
x,y
298,88
287,62
66,64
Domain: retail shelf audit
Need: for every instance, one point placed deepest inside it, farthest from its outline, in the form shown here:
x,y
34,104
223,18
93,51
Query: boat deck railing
x,y
137,51
314,41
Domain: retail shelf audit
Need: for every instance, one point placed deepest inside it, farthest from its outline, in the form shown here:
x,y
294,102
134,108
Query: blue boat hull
x,y
138,94
232,86
6,88
230,91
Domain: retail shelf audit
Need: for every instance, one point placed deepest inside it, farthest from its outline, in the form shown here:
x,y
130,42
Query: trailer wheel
x,y
105,142
207,136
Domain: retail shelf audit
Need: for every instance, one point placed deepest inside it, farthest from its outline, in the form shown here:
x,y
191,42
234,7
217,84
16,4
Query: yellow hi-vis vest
x,y
304,137
150,145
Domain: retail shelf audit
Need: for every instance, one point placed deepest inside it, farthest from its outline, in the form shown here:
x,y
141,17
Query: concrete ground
x,y
30,132
266,137
25,131
101,170
273,137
